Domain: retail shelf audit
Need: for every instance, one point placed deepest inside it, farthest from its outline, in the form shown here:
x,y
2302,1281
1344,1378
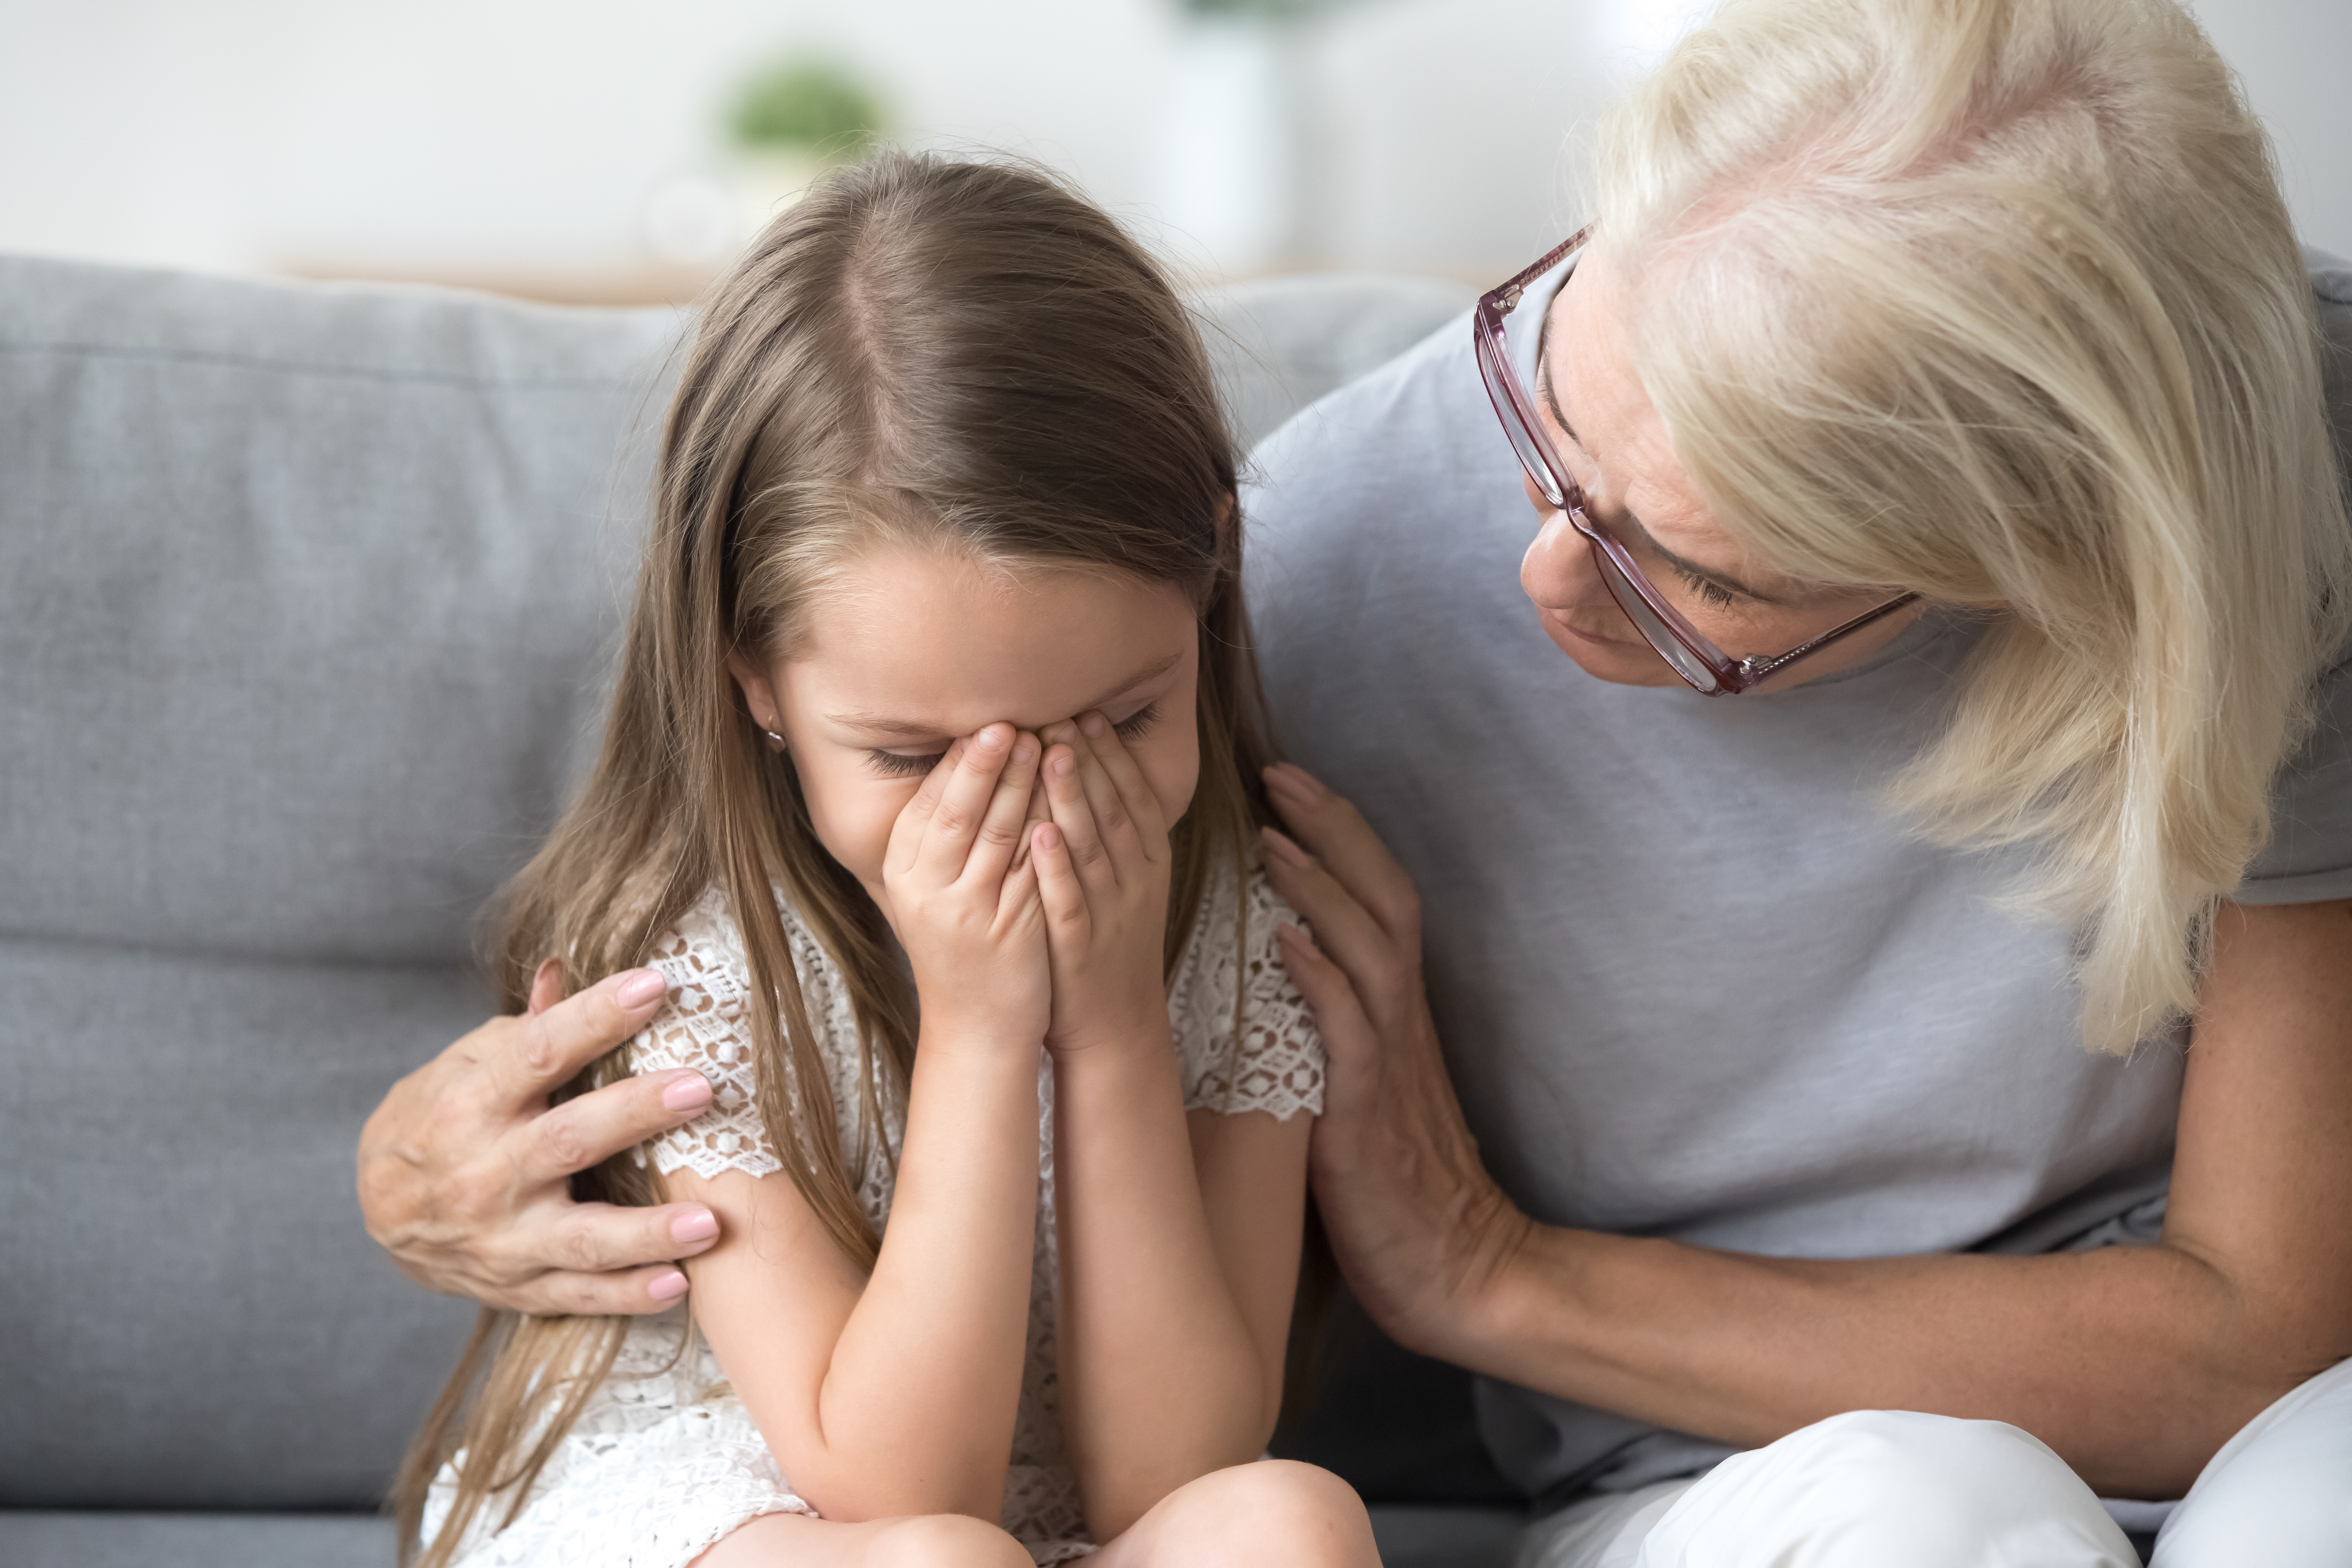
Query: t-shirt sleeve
x,y
705,1024
1265,1054
2309,856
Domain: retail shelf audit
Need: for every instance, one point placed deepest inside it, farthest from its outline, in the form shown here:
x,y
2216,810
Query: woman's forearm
x,y
1160,1379
2134,1364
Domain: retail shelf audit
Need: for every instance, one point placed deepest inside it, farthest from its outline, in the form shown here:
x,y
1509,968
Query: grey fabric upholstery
x,y
305,593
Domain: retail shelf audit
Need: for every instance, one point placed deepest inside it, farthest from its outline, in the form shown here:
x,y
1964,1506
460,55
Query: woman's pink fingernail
x,y
666,1287
691,1092
1284,850
699,1225
1294,780
646,986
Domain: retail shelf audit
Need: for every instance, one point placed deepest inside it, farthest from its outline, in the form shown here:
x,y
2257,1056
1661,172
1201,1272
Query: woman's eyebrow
x,y
913,730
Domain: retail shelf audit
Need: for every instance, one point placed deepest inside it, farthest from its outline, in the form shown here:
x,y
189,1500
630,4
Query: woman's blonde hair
x,y
1998,301
967,357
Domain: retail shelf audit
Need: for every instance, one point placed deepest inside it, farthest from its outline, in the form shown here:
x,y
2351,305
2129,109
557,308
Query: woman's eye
x,y
899,765
1708,593
1136,723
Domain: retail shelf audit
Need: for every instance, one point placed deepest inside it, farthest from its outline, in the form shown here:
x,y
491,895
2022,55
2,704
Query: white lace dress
x,y
665,1459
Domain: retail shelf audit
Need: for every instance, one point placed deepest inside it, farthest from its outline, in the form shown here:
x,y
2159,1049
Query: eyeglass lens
x,y
1645,621
1523,441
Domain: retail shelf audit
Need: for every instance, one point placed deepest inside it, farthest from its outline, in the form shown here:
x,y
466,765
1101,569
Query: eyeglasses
x,y
1687,650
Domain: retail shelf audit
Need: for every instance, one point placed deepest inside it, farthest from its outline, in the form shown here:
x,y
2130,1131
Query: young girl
x,y
924,789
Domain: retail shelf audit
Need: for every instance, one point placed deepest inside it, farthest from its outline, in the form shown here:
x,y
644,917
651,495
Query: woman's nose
x,y
1556,570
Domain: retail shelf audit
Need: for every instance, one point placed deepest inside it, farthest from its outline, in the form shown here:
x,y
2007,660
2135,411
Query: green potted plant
x,y
788,123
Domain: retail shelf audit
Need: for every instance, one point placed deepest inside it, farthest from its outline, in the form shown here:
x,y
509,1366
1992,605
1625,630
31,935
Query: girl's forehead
x,y
940,644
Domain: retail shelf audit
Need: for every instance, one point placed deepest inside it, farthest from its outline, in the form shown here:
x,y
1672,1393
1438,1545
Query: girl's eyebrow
x,y
879,724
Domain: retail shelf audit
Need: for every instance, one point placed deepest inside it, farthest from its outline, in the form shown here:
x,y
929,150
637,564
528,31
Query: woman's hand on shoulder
x,y
1103,868
964,897
465,1169
1419,1227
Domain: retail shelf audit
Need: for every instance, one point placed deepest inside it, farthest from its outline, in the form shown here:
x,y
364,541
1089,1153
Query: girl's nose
x,y
1557,572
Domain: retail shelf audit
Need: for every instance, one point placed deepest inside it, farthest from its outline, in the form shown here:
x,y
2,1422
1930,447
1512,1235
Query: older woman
x,y
1895,976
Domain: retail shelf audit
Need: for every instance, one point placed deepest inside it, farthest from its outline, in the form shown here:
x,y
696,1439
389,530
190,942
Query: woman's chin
x,y
1616,661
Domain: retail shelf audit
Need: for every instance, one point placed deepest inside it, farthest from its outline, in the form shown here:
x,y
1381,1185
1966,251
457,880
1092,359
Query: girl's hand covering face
x,y
964,904
1102,864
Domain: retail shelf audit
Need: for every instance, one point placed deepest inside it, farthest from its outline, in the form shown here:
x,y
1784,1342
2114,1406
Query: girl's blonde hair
x,y
1998,301
964,356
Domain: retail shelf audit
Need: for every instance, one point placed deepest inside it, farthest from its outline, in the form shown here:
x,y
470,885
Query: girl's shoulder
x,y
1245,1036
706,1023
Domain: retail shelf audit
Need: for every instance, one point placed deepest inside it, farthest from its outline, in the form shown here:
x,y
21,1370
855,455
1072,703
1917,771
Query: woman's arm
x,y
1179,1241
2133,1364
897,1395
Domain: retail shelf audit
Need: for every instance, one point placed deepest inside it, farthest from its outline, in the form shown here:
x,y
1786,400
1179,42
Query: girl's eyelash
x,y
899,765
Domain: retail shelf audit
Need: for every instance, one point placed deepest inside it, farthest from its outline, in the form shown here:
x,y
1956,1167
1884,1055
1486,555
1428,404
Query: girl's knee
x,y
944,1540
1878,1485
1281,1512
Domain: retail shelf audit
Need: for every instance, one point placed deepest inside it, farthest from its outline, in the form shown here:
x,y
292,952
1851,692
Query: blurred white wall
x,y
506,137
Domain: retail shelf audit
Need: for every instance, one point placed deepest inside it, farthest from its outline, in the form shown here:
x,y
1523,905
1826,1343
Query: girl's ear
x,y
759,692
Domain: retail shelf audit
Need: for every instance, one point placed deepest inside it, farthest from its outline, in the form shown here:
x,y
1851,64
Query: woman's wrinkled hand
x,y
464,1170
1102,872
963,899
1419,1228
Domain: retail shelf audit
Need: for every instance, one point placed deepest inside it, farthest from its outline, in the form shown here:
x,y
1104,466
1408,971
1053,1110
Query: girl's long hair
x,y
1998,301
965,356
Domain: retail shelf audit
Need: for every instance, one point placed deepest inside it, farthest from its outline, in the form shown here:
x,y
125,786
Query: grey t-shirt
x,y
1692,980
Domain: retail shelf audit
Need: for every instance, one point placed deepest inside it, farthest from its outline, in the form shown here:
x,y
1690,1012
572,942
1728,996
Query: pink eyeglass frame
x,y
1687,650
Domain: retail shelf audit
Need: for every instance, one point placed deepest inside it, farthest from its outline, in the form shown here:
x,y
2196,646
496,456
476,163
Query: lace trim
x,y
1274,1063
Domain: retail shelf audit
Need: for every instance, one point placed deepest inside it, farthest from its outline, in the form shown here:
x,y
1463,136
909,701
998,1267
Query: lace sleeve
x,y
705,1024
1274,1062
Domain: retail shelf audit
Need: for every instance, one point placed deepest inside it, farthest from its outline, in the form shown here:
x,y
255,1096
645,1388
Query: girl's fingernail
x,y
666,1287
1024,753
1064,765
644,986
691,1092
1284,850
687,1229
1092,723
991,739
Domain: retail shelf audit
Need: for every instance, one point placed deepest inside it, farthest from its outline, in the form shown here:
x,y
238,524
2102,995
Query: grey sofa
x,y
305,595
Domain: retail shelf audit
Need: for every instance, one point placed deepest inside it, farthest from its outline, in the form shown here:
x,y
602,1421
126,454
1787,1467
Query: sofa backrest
x,y
305,597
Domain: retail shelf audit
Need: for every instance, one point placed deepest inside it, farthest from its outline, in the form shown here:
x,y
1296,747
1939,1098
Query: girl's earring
x,y
775,743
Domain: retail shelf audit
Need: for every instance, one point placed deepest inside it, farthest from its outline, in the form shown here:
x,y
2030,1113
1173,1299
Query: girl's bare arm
x,y
2135,1364
1175,1281
897,1393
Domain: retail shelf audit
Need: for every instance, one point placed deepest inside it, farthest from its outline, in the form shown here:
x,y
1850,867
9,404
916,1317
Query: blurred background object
x,y
614,151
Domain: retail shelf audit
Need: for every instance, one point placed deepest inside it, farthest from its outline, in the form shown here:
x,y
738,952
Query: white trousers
x,y
1874,1487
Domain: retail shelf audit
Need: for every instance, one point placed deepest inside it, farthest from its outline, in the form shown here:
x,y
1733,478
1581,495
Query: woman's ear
x,y
758,692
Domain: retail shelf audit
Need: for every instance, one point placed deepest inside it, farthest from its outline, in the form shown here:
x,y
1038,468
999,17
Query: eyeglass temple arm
x,y
1756,670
